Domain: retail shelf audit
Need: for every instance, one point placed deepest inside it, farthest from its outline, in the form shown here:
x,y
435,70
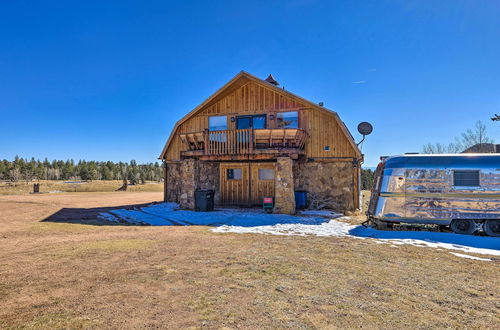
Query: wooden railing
x,y
244,141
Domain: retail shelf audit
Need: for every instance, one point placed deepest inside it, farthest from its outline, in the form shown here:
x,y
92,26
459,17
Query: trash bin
x,y
204,200
300,199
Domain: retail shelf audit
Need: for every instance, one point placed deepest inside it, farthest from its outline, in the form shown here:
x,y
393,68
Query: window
x,y
287,119
259,122
234,173
217,123
466,178
266,174
256,122
327,148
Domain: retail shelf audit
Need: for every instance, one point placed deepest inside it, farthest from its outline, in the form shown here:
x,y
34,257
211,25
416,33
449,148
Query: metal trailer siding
x,y
420,189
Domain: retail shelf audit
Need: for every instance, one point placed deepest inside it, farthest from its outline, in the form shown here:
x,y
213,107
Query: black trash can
x,y
300,199
204,200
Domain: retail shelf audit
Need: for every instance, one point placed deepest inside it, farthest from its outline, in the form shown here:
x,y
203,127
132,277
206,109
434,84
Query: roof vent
x,y
270,79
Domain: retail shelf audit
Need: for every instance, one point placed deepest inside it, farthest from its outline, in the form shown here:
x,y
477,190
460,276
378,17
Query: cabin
x,y
253,139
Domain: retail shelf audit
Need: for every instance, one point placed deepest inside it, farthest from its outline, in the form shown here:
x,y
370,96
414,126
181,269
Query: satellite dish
x,y
365,128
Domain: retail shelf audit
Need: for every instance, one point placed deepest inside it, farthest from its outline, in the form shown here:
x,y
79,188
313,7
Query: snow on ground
x,y
314,223
321,213
469,257
168,214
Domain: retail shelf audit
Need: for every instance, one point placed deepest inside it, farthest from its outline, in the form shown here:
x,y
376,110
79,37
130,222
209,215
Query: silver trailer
x,y
461,191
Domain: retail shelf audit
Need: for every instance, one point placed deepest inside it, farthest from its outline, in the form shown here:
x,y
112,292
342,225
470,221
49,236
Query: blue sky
x,y
107,80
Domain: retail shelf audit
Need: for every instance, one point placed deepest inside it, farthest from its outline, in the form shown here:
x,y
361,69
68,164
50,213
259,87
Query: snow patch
x,y
469,257
308,223
321,213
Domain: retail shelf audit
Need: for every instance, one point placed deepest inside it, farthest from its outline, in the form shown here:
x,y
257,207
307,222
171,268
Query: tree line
x,y
476,137
29,170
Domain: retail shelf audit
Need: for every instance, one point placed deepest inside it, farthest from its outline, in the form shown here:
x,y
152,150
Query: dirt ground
x,y
64,274
58,186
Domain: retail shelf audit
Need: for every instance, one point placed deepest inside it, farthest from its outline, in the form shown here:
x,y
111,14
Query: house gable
x,y
246,94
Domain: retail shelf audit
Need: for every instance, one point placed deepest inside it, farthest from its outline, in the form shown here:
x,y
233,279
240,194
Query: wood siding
x,y
260,188
255,98
324,131
235,191
250,189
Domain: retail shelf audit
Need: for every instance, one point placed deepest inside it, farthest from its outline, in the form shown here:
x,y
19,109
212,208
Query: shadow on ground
x,y
89,216
428,238
168,214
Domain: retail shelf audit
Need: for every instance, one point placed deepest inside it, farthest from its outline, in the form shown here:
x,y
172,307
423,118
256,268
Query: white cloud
x,y
359,82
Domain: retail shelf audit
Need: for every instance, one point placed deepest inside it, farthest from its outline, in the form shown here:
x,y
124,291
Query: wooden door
x,y
261,182
234,184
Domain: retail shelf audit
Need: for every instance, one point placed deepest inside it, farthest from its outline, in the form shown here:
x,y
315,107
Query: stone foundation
x,y
183,178
284,196
208,178
188,176
173,182
332,179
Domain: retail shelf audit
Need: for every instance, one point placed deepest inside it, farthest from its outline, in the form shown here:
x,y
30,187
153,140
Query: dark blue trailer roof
x,y
444,161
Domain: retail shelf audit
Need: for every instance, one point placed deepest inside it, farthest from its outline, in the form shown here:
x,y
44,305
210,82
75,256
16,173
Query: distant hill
x,y
483,148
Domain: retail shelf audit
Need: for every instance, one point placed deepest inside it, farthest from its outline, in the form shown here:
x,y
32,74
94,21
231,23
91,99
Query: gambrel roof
x,y
241,79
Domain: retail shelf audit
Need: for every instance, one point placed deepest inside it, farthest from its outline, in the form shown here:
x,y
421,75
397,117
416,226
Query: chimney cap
x,y
270,79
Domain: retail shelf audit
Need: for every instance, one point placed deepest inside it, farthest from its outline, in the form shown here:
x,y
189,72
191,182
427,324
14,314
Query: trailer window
x,y
466,178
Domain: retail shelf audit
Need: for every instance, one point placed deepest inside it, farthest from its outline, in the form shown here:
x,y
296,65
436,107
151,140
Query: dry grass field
x,y
77,275
53,186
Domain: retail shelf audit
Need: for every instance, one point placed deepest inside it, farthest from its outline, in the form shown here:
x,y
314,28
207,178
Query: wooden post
x,y
206,141
251,138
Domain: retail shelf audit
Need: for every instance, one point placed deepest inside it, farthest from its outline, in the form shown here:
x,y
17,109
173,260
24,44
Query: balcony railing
x,y
244,142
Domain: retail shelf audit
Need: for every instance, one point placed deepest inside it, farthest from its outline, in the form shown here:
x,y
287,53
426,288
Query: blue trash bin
x,y
300,199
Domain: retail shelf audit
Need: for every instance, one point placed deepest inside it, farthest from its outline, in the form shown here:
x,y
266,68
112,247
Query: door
x,y
261,182
234,184
246,183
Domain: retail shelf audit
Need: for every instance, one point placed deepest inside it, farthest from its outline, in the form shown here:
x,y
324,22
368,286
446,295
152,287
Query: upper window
x,y
255,121
466,178
217,123
287,119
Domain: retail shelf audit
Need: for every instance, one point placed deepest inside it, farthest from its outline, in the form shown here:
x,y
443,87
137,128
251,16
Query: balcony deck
x,y
244,144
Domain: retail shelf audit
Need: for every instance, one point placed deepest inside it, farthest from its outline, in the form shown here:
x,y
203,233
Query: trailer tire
x,y
463,226
492,228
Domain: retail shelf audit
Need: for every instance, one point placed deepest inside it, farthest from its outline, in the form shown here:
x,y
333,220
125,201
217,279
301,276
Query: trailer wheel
x,y
492,227
463,226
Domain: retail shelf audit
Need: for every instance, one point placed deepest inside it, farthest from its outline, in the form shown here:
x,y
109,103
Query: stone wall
x,y
174,182
332,179
188,176
208,178
284,196
185,177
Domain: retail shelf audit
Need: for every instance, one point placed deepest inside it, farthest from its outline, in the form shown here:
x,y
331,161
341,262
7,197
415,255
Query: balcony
x,y
244,144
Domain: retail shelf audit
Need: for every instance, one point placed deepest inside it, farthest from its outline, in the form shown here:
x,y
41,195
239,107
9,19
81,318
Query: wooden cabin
x,y
253,139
